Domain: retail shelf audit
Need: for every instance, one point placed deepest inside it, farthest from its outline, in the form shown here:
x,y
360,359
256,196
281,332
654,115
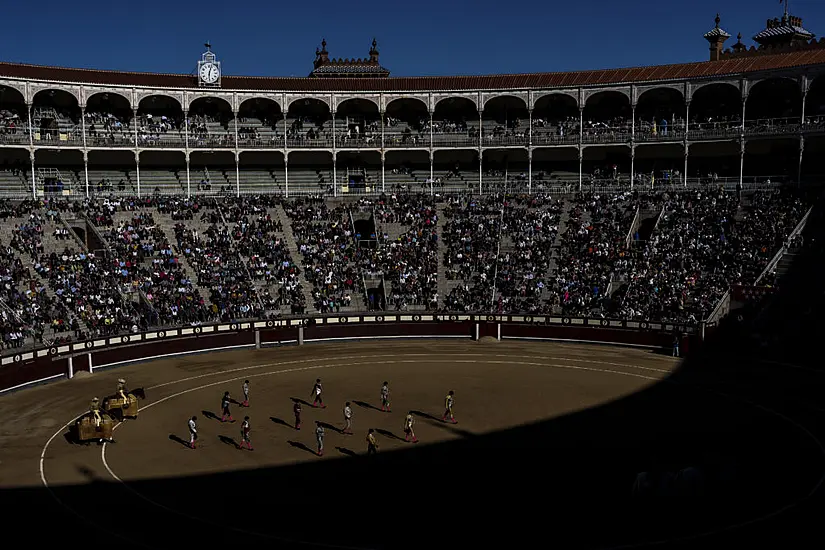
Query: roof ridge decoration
x,y
324,67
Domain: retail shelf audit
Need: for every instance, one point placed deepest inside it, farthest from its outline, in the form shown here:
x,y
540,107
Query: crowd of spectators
x,y
146,263
409,259
471,237
528,234
218,265
496,253
592,253
327,247
261,242
705,243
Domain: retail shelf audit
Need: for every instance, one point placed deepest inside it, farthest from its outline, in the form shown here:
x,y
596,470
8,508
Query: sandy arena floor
x,y
549,440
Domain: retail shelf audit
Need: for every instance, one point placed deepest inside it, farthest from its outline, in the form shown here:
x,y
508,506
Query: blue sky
x,y
427,37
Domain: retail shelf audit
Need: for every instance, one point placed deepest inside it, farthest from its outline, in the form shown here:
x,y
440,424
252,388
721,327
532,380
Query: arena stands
x,y
170,260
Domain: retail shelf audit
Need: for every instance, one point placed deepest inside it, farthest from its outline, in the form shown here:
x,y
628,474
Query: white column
x,y
300,335
286,174
285,130
188,178
137,171
91,363
529,151
383,167
530,170
687,139
85,149
432,154
237,174
70,373
581,156
257,339
34,178
334,158
744,104
741,161
334,173
135,124
432,132
382,129
30,108
632,164
581,140
186,152
237,157
480,151
804,98
801,156
432,169
86,171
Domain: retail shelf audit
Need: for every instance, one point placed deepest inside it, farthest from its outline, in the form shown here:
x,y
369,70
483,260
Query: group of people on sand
x,y
318,402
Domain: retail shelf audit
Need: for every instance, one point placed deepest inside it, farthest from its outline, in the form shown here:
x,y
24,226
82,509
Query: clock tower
x,y
209,69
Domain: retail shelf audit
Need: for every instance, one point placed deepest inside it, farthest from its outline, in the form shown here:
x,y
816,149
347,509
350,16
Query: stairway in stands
x,y
556,249
444,285
292,245
167,225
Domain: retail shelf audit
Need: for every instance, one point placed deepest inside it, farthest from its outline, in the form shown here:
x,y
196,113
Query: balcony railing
x,y
459,139
413,140
542,136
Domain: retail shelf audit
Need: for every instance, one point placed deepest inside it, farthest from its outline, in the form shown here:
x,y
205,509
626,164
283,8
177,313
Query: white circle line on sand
x,y
314,367
301,361
347,357
697,536
572,367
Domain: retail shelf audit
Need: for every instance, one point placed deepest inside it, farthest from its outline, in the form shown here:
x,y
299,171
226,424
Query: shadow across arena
x,y
749,427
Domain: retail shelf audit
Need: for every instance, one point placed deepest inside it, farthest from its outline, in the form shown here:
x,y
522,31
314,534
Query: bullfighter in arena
x,y
347,418
296,408
316,394
319,435
385,397
245,402
245,434
408,428
94,408
372,444
449,401
193,431
122,391
225,407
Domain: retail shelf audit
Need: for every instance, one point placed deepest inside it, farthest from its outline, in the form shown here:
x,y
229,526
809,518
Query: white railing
x,y
722,308
633,226
785,246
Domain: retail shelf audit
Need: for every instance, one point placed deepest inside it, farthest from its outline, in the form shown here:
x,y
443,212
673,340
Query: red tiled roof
x,y
705,69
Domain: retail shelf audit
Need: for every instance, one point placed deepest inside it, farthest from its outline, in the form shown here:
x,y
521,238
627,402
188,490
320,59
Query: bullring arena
x,y
616,273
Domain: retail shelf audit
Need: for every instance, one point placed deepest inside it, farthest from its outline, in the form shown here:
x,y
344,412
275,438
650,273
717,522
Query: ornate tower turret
x,y
783,32
716,37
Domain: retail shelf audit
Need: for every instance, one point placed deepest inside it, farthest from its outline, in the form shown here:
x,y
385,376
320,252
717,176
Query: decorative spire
x,y
716,37
374,51
739,47
208,46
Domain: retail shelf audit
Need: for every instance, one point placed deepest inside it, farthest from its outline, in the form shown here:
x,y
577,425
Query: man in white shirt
x,y
347,418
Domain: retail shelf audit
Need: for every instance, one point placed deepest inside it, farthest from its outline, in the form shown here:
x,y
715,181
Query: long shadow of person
x,y
299,445
228,440
177,439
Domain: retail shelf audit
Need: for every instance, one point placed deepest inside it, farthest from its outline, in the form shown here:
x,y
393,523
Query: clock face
x,y
209,73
